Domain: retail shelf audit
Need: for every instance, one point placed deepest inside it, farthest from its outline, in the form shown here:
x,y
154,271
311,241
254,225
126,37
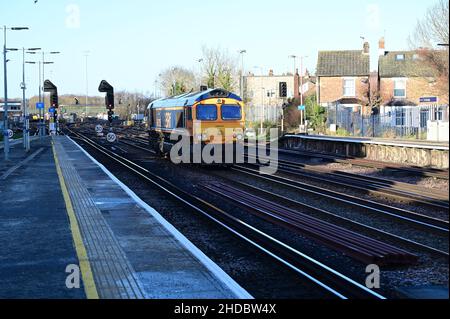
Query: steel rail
x,y
360,183
426,222
336,284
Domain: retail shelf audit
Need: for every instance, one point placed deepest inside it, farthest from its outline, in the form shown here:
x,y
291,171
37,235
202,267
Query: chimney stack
x,y
366,48
270,72
381,47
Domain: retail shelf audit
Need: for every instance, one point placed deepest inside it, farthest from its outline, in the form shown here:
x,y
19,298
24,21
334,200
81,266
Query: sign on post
x,y
301,107
40,105
10,133
111,137
98,128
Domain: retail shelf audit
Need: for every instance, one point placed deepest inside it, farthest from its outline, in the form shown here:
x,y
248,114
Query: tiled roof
x,y
343,63
411,66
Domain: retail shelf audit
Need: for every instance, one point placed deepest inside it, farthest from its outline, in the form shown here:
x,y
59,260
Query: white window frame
x,y
396,81
344,87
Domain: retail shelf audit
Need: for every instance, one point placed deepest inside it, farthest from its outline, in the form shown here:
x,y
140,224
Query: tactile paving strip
x,y
114,276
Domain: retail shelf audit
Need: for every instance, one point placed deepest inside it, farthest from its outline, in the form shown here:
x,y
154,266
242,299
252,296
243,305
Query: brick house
x,y
408,89
404,79
262,93
343,77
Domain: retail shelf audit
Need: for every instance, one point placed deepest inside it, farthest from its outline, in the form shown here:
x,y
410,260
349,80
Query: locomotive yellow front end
x,y
218,121
211,123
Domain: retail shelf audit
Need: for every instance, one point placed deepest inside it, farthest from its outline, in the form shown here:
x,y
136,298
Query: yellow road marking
x,y
85,267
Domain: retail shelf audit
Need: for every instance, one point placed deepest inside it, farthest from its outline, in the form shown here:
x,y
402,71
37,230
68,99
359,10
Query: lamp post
x,y
26,135
86,55
198,72
5,107
303,118
241,80
294,57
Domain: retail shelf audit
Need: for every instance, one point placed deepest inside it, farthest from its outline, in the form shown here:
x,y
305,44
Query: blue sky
x,y
130,42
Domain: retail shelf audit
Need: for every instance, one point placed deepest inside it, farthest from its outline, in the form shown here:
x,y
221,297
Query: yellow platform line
x,y
85,267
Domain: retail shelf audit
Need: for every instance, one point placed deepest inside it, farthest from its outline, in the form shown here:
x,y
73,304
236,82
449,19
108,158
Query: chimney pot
x,y
366,48
382,46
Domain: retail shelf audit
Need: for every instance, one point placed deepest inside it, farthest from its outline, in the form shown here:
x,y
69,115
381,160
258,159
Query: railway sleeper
x,y
357,246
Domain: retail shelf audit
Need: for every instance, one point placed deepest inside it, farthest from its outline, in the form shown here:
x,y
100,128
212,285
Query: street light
x,y
242,52
302,118
294,57
26,135
199,73
86,55
5,107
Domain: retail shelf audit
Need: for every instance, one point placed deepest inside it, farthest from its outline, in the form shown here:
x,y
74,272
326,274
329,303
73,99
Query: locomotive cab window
x,y
231,112
188,114
206,112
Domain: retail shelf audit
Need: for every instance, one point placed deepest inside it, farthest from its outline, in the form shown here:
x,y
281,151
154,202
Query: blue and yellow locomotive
x,y
197,115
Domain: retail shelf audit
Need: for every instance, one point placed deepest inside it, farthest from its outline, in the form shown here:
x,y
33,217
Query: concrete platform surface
x,y
62,214
36,244
377,141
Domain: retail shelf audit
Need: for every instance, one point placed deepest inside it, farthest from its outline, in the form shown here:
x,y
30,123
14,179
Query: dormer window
x,y
400,57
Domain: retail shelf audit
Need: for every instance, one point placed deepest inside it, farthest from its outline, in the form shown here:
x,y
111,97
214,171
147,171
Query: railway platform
x,y
412,153
63,214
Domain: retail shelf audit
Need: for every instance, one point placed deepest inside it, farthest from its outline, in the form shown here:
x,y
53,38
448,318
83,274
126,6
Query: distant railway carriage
x,y
198,114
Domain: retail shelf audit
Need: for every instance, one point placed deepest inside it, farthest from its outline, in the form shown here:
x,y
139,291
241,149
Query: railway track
x,y
431,224
333,283
427,223
398,190
394,189
337,219
362,248
142,145
395,168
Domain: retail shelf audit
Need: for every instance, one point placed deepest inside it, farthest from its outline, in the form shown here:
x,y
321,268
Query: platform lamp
x,y
5,82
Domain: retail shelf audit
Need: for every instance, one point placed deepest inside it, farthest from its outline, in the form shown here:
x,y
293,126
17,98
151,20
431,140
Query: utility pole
x,y
241,80
303,111
86,55
5,102
5,79
26,131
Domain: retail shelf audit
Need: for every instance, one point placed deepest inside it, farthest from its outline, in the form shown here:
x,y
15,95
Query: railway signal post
x,y
53,90
105,87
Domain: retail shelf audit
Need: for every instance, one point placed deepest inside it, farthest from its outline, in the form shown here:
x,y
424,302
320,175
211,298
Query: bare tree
x,y
219,68
128,103
177,80
431,30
